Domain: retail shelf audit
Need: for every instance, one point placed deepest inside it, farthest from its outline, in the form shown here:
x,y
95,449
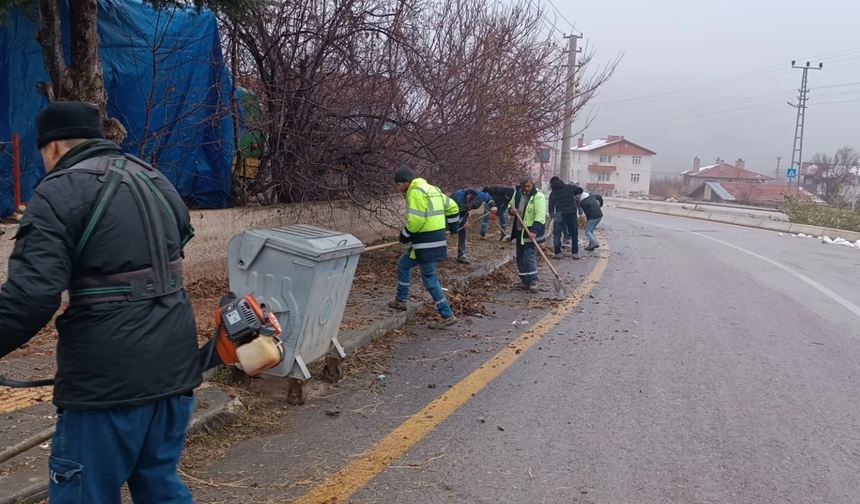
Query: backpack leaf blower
x,y
246,335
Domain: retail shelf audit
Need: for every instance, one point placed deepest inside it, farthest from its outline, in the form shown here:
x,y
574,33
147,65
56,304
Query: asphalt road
x,y
711,364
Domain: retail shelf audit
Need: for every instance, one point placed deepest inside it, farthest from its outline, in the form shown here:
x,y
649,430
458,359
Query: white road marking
x,y
817,286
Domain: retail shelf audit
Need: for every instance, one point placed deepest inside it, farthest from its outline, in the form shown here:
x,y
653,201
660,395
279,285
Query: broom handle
x,y
469,223
538,247
391,244
377,247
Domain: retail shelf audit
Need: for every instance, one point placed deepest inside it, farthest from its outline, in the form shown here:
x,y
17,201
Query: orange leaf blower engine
x,y
247,335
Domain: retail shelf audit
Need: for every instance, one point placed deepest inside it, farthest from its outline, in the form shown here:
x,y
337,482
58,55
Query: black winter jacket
x,y
591,206
561,199
502,195
111,354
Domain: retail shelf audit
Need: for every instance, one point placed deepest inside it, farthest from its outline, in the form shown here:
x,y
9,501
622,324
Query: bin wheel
x,y
296,392
333,377
297,398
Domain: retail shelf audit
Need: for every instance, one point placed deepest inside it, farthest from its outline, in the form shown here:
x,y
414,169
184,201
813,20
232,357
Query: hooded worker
x,y
563,211
591,205
501,196
468,200
429,212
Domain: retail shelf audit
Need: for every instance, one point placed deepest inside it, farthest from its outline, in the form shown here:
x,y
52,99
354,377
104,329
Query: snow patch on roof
x,y
594,144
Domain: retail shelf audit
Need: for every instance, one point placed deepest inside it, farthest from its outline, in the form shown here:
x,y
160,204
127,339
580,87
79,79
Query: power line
x,y
572,26
836,86
838,101
786,93
755,74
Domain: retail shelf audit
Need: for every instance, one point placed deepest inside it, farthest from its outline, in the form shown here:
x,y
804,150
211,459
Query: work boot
x,y
443,323
463,260
590,247
559,255
483,237
398,305
523,287
533,288
575,257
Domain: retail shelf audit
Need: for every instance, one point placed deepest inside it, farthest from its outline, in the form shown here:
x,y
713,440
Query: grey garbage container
x,y
303,274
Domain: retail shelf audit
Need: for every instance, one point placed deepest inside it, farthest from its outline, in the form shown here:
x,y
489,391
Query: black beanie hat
x,y
577,190
403,174
67,120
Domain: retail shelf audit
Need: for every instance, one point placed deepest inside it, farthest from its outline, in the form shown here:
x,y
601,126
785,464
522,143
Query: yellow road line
x,y
15,399
341,485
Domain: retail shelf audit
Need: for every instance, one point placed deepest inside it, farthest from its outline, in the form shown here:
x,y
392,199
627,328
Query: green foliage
x,y
805,211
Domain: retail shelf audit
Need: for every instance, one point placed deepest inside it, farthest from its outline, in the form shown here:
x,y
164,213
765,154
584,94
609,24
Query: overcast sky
x,y
736,57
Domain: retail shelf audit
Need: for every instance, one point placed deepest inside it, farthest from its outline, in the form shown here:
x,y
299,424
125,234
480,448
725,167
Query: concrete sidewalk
x,y
738,220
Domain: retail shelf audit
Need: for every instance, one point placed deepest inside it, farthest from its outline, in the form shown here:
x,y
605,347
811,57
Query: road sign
x,y
791,173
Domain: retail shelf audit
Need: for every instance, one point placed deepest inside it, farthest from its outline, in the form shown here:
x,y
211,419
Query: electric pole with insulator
x,y
797,152
570,92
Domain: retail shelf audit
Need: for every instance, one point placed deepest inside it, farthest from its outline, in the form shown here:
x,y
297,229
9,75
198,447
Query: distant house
x,y
612,166
827,179
745,193
721,172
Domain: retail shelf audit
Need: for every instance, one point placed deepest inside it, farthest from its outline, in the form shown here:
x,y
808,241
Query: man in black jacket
x,y
109,229
502,196
591,206
563,211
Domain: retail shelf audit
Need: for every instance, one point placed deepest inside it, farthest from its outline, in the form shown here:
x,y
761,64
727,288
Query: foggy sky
x,y
736,54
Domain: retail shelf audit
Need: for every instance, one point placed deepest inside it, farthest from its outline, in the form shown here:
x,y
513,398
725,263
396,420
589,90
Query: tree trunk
x,y
83,79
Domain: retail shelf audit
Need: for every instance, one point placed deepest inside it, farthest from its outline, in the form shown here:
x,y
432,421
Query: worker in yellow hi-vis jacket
x,y
429,213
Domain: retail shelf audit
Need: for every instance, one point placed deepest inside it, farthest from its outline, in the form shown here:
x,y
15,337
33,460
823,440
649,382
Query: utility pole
x,y
778,159
797,152
570,92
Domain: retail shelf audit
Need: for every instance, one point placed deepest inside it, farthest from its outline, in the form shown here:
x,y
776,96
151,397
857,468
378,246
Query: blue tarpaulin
x,y
166,81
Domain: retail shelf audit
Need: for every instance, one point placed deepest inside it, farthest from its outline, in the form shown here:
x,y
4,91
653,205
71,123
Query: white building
x,y
612,166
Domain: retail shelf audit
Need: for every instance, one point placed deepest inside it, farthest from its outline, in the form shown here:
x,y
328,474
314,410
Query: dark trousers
x,y
527,262
565,222
95,451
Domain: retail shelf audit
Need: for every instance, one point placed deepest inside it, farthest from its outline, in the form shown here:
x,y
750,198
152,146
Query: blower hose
x,y
6,382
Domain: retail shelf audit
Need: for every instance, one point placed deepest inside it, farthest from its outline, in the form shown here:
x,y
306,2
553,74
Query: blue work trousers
x,y
428,277
589,231
95,451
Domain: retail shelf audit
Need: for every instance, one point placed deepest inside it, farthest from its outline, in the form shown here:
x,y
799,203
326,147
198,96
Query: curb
x,y
207,421
740,220
483,270
377,330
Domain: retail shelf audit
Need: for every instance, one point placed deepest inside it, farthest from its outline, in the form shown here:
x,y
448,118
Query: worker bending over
x,y
468,200
591,205
530,205
110,229
502,196
429,212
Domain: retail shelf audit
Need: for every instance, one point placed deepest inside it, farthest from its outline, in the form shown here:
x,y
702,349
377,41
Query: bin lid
x,y
308,241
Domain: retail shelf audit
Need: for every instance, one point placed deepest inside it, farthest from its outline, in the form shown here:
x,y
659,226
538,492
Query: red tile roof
x,y
760,193
726,171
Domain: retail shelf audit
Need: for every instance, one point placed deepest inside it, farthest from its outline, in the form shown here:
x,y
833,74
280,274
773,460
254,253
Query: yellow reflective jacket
x,y
430,215
534,216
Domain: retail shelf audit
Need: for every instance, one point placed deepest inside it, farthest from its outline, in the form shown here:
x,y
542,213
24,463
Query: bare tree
x,y
463,90
834,178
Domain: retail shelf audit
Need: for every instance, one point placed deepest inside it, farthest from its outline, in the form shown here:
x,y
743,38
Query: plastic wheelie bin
x,y
303,274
